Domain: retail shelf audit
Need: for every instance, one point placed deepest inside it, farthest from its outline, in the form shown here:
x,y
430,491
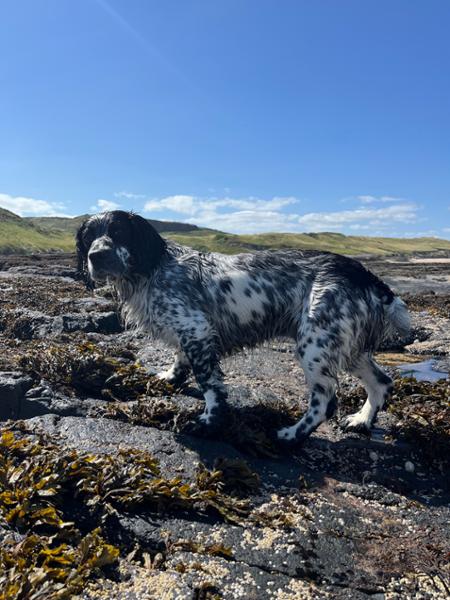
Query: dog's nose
x,y
99,257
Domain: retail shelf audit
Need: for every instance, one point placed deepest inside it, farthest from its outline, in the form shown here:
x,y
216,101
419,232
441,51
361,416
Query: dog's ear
x,y
82,252
147,246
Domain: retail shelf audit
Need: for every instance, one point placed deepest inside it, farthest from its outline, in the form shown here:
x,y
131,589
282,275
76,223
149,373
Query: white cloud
x,y
128,195
191,205
253,203
360,217
375,215
373,199
359,227
240,215
179,203
104,205
249,221
366,199
24,206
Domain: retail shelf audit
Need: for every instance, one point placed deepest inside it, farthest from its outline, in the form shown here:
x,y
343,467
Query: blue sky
x,y
242,115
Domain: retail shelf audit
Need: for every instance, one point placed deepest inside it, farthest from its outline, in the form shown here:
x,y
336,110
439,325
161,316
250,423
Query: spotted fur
x,y
207,305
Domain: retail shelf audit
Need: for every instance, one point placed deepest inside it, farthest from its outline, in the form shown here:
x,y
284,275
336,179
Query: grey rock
x,y
292,553
107,436
324,543
30,324
42,400
13,387
106,323
89,304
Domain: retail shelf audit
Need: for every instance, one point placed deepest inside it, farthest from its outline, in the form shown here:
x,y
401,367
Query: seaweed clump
x,y
436,304
43,295
42,487
36,567
237,477
423,412
86,369
164,413
43,555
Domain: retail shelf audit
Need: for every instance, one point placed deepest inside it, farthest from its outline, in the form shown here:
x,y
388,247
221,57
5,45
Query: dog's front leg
x,y
204,358
177,374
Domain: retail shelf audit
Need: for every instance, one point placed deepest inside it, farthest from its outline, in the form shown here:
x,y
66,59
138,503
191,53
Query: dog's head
x,y
117,244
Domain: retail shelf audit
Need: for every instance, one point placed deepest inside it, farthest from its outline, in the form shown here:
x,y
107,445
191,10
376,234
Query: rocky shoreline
x,y
236,517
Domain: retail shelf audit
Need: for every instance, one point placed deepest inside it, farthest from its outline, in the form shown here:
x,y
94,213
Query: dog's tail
x,y
397,319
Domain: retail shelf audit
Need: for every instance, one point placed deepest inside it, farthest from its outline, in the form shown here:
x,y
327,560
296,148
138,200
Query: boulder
x,y
13,387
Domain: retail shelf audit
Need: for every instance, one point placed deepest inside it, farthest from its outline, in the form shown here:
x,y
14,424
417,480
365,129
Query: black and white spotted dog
x,y
208,305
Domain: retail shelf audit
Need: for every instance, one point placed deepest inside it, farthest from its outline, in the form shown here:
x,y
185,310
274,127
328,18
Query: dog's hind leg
x,y
378,386
315,351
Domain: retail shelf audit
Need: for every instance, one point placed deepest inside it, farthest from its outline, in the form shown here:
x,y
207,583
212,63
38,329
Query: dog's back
x,y
254,297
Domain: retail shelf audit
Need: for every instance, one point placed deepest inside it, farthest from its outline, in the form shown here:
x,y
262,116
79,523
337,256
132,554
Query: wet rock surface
x,y
345,516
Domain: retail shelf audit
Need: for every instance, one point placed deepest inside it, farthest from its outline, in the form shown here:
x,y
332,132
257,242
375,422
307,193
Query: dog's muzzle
x,y
103,261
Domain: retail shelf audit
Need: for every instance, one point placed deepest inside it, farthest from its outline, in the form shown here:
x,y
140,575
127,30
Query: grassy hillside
x,y
71,224
333,242
19,236
44,234
62,224
337,242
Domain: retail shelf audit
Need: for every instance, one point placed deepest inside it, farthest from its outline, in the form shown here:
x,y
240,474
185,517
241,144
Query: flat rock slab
x,y
332,535
106,436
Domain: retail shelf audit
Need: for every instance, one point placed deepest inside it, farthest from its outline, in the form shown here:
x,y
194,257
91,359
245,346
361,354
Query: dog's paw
x,y
197,428
287,434
355,424
209,424
167,376
290,437
176,381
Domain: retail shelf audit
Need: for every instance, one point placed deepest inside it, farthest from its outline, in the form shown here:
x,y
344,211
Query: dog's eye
x,y
114,232
88,238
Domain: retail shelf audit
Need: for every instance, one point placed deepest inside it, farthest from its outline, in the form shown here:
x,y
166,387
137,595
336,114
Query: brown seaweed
x,y
423,412
86,369
43,485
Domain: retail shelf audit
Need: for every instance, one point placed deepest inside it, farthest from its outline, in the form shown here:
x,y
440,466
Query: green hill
x,y
47,234
71,224
19,236
63,224
332,242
